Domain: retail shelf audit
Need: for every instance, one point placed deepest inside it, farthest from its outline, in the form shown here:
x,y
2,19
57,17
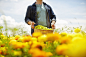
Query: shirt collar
x,y
42,6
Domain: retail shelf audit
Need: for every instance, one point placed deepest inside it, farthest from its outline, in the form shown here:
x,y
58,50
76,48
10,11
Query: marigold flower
x,y
26,39
17,37
77,30
37,45
18,45
70,35
12,42
61,49
53,36
42,38
33,39
77,48
0,52
3,50
78,35
63,34
49,54
39,53
2,36
20,39
36,34
75,39
65,40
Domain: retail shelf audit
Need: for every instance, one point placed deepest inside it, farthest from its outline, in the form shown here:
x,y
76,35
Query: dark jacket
x,y
31,14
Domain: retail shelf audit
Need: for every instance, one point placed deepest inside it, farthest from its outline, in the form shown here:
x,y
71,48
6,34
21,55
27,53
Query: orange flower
x,y
17,45
53,36
26,39
49,54
39,53
33,50
65,40
36,34
61,49
37,45
0,52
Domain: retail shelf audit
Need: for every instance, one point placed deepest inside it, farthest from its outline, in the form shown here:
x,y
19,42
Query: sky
x,y
68,12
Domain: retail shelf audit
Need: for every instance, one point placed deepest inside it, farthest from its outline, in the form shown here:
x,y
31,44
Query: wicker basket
x,y
43,31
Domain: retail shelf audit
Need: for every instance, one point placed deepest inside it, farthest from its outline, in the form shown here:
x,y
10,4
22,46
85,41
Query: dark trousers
x,y
32,30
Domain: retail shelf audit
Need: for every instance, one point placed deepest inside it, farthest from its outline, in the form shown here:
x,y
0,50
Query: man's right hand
x,y
53,24
32,24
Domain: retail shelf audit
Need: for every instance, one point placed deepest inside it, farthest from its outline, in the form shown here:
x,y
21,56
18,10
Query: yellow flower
x,y
33,39
49,54
77,49
36,34
19,45
20,39
3,50
61,49
53,36
75,39
78,35
5,38
77,30
26,44
70,35
2,36
12,38
17,37
26,39
42,38
37,45
63,34
65,40
12,42
17,53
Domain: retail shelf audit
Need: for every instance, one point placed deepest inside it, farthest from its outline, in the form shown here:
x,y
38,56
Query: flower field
x,y
57,44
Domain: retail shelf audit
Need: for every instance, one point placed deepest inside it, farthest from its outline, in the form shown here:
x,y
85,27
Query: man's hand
x,y
53,24
32,24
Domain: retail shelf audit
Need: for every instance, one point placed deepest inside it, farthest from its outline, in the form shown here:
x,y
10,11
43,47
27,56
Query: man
x,y
40,14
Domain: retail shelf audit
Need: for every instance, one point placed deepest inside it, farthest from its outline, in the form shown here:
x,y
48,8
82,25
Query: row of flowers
x,y
44,45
